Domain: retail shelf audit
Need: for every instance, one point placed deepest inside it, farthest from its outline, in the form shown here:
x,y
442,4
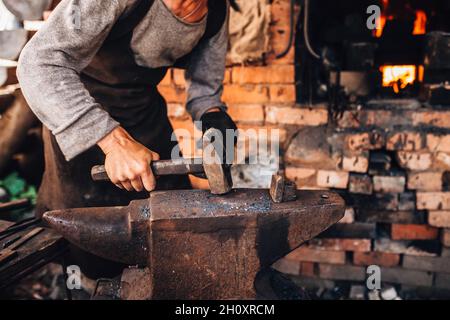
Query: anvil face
x,y
197,244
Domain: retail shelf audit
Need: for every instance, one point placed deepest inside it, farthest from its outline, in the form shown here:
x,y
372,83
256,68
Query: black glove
x,y
222,121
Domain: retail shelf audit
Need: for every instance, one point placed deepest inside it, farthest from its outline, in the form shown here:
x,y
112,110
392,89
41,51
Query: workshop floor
x,y
45,284
48,284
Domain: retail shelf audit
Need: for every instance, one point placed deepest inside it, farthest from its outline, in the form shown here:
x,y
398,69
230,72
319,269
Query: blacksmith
x,y
90,74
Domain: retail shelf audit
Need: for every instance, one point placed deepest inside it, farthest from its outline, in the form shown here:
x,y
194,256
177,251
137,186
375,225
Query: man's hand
x,y
127,161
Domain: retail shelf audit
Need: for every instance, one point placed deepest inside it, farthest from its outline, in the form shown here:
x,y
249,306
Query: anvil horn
x,y
116,233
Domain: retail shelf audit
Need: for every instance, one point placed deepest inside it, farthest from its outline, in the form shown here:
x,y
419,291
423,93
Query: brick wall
x,y
391,165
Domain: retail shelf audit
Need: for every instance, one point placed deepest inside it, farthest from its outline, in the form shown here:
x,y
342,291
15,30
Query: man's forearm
x,y
117,137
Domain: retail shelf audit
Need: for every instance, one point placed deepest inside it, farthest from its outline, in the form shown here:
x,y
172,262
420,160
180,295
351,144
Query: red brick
x,y
253,113
412,248
307,269
425,181
227,77
445,237
440,219
432,264
250,94
281,74
379,118
357,163
342,272
432,118
173,94
198,183
416,161
288,266
167,80
413,232
442,161
282,93
362,245
438,142
349,216
424,161
297,116
366,118
304,178
332,179
279,37
407,141
364,141
187,126
310,255
178,78
360,183
280,12
383,259
388,184
407,277
433,200
270,129
177,110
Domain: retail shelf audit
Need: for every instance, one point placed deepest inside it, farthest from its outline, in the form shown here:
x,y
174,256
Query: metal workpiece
x,y
199,245
281,189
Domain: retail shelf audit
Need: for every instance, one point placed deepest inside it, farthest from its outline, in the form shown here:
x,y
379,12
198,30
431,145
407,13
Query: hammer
x,y
211,164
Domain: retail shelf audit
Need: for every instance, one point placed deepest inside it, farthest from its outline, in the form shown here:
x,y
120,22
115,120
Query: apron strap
x,y
215,20
126,24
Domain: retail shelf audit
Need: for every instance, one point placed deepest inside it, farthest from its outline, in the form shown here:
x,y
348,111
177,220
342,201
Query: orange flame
x,y
399,77
420,22
378,32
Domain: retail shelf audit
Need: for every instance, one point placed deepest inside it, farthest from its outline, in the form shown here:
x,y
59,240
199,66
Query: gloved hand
x,y
222,121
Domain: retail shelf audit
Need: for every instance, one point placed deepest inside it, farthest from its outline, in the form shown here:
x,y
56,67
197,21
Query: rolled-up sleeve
x,y
49,72
205,74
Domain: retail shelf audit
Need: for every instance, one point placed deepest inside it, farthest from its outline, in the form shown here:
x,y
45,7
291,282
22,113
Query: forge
x,y
344,60
197,245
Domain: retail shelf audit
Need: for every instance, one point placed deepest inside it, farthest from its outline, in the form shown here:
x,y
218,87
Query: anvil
x,y
198,245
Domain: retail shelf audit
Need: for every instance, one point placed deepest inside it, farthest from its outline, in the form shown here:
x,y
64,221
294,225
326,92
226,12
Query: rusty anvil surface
x,y
198,245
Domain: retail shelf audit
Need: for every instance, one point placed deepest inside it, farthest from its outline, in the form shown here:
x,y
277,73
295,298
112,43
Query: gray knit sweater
x,y
50,65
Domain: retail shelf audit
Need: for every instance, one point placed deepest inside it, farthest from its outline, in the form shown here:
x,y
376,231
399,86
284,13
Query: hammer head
x,y
216,170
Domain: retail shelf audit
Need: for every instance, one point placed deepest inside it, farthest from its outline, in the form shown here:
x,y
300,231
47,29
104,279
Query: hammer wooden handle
x,y
159,168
